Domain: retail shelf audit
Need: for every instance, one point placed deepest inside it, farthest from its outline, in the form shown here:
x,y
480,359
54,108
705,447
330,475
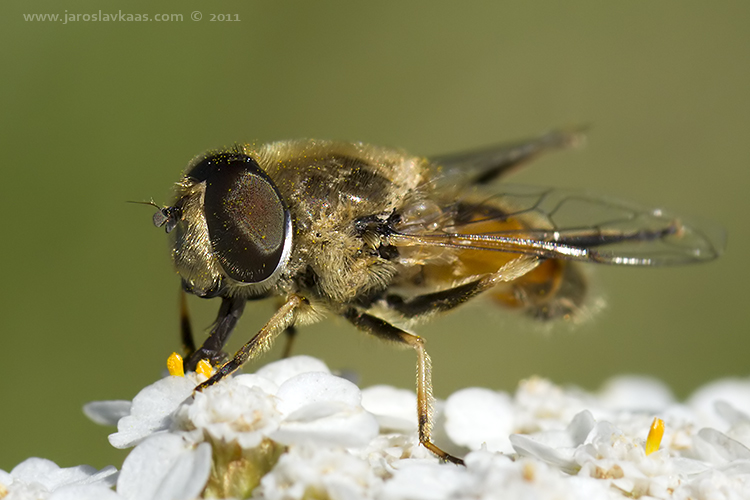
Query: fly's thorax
x,y
336,264
339,179
329,186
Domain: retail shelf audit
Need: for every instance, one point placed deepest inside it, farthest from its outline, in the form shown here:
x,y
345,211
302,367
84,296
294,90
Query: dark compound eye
x,y
248,223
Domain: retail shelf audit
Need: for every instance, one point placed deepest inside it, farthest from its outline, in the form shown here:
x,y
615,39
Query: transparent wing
x,y
566,225
485,165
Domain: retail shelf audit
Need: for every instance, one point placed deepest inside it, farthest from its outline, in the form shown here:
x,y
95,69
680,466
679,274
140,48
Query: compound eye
x,y
248,224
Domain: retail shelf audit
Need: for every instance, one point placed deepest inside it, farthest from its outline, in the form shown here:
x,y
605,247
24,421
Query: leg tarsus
x,y
447,457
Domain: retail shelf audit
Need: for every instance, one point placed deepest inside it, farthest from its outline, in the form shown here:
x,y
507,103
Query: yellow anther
x,y
654,436
174,365
204,368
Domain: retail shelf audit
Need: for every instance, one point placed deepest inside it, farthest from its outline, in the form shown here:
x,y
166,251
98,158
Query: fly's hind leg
x,y
425,304
445,300
429,303
384,330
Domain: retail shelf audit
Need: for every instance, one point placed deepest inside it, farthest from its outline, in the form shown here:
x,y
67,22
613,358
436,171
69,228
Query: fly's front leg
x,y
229,313
186,331
384,330
282,319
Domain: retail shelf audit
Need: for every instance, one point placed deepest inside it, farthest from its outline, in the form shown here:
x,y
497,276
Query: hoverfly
x,y
384,239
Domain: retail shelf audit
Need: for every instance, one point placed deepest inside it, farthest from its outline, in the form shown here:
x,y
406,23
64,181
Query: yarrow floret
x,y
227,437
293,430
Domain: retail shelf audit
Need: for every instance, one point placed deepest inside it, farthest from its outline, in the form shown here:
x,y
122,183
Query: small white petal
x,y
475,416
732,390
254,380
315,387
280,371
580,427
51,476
688,466
719,449
636,393
393,408
106,412
423,480
89,492
558,448
320,407
151,410
165,467
558,457
350,427
37,470
729,413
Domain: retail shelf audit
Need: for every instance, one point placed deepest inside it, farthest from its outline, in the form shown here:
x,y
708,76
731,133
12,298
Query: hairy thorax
x,y
328,186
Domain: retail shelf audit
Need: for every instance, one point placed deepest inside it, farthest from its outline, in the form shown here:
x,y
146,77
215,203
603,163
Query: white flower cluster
x,y
295,431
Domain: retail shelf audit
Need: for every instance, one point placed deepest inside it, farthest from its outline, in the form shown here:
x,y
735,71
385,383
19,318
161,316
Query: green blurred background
x,y
97,113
